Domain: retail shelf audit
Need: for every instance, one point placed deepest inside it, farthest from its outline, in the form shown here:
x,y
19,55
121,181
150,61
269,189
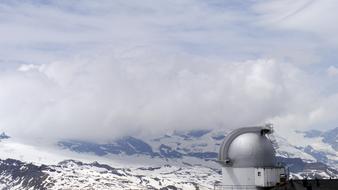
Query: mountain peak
x,y
3,135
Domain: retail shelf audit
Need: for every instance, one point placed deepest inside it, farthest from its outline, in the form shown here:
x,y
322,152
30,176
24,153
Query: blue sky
x,y
149,66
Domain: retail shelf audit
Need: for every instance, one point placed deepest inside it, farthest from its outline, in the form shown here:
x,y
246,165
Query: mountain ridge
x,y
176,160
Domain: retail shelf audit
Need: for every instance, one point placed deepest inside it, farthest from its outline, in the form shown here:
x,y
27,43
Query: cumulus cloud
x,y
109,96
100,70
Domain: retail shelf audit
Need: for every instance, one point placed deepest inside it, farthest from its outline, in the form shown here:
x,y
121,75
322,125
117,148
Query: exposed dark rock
x,y
197,133
14,172
3,135
168,152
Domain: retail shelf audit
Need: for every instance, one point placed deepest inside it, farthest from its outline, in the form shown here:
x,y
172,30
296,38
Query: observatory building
x,y
248,160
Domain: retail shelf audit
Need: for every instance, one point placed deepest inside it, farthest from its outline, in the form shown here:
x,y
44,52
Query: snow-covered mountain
x,y
180,159
70,174
204,145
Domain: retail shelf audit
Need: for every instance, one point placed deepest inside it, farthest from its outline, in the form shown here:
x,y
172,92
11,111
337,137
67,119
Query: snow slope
x,y
178,159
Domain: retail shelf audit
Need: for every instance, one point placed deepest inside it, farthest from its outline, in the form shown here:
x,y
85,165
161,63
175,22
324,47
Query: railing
x,y
234,187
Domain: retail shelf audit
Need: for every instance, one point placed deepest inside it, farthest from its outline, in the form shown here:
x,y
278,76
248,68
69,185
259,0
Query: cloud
x,y
310,17
332,71
30,67
108,96
100,70
45,32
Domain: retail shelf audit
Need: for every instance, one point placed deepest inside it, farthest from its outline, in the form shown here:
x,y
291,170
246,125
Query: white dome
x,y
251,150
248,147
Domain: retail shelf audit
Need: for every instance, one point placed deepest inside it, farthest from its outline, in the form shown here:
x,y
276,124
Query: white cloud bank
x,y
100,70
108,96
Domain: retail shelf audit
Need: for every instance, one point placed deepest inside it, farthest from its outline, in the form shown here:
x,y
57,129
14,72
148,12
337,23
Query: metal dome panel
x,y
252,150
248,147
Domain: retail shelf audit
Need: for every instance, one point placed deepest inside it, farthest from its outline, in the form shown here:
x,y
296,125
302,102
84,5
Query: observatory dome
x,y
247,149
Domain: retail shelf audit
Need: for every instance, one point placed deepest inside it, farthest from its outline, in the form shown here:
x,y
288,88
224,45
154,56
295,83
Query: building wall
x,y
238,176
267,177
